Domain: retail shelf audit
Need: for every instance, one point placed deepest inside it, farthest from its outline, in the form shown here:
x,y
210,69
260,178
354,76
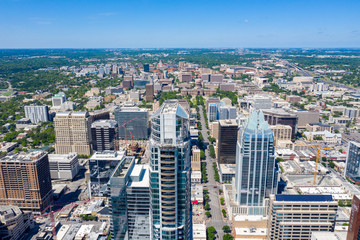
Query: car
x,y
215,186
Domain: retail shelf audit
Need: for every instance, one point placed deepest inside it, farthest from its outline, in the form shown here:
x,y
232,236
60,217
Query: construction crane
x,y
51,213
124,126
317,156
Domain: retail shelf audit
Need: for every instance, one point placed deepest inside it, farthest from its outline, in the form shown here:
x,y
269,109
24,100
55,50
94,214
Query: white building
x,y
58,99
37,113
199,232
63,166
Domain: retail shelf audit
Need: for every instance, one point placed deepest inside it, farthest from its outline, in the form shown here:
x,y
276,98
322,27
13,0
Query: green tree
x,y
226,229
207,214
228,237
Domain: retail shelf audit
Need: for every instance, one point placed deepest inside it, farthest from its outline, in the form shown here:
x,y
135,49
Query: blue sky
x,y
179,23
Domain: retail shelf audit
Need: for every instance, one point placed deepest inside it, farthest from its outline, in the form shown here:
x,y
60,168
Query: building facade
x,y
137,122
281,117
295,217
72,132
149,93
354,223
14,223
170,173
226,143
37,113
256,175
352,167
25,181
64,166
104,135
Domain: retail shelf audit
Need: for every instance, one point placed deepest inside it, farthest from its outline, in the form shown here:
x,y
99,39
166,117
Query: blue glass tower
x,y
255,177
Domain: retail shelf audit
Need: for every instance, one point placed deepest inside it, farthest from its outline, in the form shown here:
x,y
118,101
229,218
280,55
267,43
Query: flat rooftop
x,y
304,198
24,157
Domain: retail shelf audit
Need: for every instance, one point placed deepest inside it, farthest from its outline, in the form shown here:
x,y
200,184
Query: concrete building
x,y
352,168
255,176
295,217
352,112
25,181
226,143
328,236
250,227
101,167
185,77
149,95
316,127
137,122
227,112
281,133
216,78
227,172
130,201
37,113
63,166
199,232
281,117
170,173
256,102
195,159
14,222
306,117
58,99
104,135
72,132
354,223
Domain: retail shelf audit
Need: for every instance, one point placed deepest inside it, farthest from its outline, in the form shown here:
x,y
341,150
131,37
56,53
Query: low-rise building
x,y
227,172
199,232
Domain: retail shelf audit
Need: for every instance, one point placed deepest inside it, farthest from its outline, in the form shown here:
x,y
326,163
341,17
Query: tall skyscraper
x,y
255,176
137,122
295,217
37,113
226,143
352,167
104,134
170,173
25,181
72,132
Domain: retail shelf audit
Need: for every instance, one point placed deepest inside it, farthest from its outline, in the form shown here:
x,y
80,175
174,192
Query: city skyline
x,y
185,24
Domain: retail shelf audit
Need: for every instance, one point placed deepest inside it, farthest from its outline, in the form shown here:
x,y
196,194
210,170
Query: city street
x,y
216,219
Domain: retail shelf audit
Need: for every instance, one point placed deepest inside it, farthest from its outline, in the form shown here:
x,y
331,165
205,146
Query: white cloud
x,y
246,21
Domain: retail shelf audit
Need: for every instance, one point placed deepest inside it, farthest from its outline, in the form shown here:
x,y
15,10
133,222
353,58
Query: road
x,y
216,215
322,78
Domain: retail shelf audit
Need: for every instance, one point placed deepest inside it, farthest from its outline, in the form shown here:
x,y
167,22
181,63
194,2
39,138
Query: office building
x,y
130,201
185,77
72,132
101,167
136,120
226,143
170,173
213,111
227,112
216,78
13,222
281,117
146,68
104,135
256,102
37,113
352,168
99,115
63,166
255,177
306,117
195,159
25,181
328,235
295,217
149,95
354,223
58,99
281,133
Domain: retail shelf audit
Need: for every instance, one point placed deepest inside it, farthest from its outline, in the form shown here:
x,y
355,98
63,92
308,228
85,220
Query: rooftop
x,y
24,157
104,123
304,198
